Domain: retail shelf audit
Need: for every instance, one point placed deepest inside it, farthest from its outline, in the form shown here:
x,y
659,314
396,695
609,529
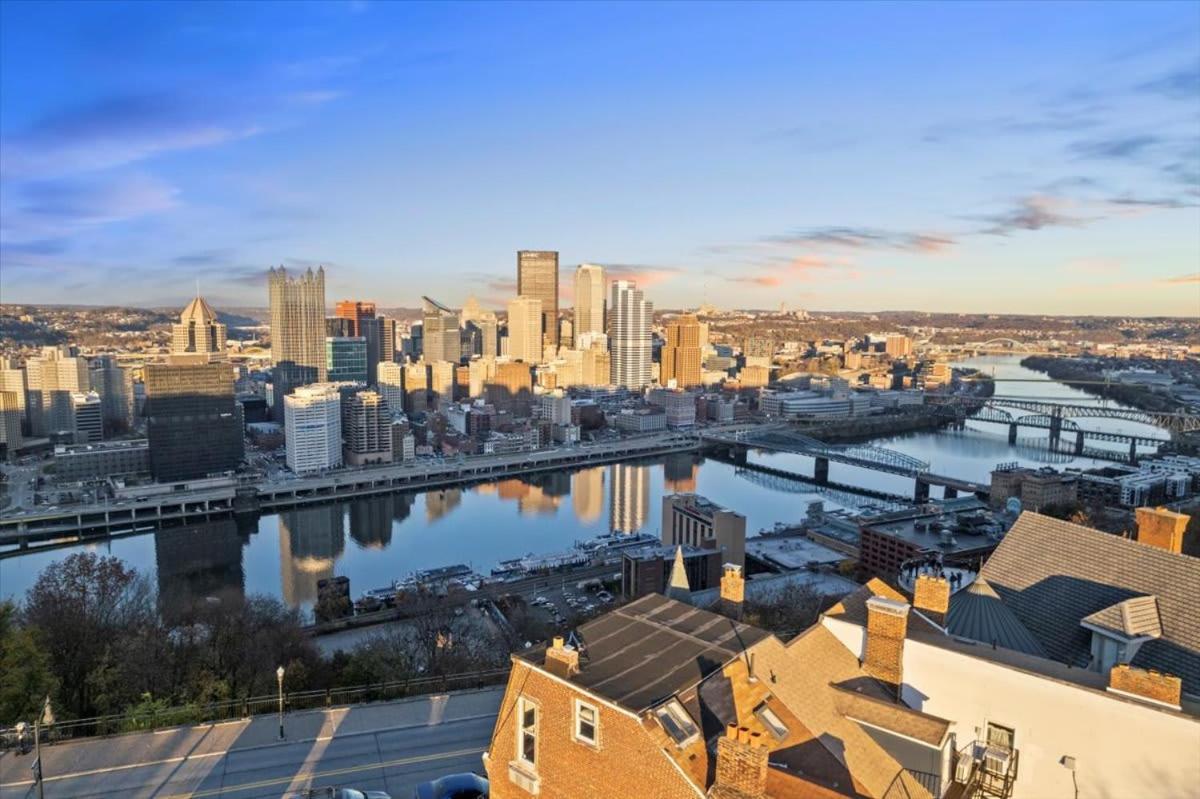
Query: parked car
x,y
454,786
346,793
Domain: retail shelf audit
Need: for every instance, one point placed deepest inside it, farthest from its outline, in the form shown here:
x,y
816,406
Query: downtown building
x,y
525,329
537,277
346,359
297,331
313,427
440,331
367,429
630,344
589,305
193,420
52,378
681,354
198,332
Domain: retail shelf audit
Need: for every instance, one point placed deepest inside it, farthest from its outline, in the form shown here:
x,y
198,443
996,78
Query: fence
x,y
145,718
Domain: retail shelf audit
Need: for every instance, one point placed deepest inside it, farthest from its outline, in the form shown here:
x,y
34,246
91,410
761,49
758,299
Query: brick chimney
x,y
887,624
931,596
1146,684
733,591
562,660
1162,528
742,758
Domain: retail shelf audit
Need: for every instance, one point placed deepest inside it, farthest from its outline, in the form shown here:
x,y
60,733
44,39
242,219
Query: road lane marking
x,y
337,772
168,761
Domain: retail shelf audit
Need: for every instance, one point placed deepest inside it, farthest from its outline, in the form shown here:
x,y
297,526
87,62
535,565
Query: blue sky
x,y
1010,157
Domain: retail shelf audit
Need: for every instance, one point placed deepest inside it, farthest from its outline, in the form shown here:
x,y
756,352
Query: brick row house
x,y
888,695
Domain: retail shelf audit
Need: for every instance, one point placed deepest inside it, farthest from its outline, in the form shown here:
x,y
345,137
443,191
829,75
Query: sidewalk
x,y
174,745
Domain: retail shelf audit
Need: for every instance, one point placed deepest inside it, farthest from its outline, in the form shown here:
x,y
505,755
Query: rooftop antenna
x,y
197,288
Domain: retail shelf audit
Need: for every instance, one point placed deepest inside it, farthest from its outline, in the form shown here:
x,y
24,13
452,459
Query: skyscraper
x,y
525,329
297,330
589,301
88,415
537,277
346,359
12,378
52,378
391,386
193,421
630,345
442,339
681,353
114,384
198,332
355,311
10,423
313,427
367,428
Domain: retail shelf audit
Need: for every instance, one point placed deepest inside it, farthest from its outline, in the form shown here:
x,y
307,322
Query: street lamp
x,y
279,677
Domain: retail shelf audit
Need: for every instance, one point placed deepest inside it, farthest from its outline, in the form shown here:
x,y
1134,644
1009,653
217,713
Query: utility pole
x,y
45,717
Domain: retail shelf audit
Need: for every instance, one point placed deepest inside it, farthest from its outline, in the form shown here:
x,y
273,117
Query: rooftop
x,y
654,647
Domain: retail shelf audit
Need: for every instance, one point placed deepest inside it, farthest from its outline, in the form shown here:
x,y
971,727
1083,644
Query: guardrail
x,y
135,721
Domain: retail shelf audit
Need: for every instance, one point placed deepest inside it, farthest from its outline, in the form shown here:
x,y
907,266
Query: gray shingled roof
x,y
1131,618
978,614
1053,574
653,648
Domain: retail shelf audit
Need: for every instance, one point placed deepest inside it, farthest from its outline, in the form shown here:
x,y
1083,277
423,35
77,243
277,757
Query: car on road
x,y
345,793
454,786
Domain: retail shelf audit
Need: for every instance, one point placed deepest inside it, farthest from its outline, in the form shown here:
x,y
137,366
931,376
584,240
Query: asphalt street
x,y
386,746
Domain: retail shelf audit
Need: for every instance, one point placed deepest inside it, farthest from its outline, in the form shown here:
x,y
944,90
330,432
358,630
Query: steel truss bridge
x,y
796,485
1174,423
782,438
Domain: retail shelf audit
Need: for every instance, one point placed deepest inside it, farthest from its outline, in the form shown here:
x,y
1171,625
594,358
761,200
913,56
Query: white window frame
x,y
594,741
523,704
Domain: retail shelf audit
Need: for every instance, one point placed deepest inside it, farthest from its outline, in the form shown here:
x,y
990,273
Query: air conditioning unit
x,y
963,770
996,760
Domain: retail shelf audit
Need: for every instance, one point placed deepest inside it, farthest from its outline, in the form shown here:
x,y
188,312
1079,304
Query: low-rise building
x,y
1036,488
695,521
639,420
84,462
890,541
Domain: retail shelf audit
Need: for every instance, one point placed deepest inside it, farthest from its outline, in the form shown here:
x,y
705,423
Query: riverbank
x,y
1087,378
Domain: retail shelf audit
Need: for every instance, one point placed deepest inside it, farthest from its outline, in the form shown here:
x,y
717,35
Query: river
x,y
376,540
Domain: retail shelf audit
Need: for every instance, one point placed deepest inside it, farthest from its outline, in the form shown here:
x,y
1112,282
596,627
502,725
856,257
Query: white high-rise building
x,y
313,427
525,329
589,302
630,344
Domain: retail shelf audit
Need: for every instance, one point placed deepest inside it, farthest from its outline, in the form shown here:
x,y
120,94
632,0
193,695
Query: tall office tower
x,y
525,329
681,353
193,421
114,384
441,383
313,427
489,334
198,332
390,386
630,344
511,389
416,387
630,497
367,428
297,331
371,331
589,301
442,339
346,360
479,372
88,415
12,378
587,493
387,339
472,340
537,277
355,311
11,407
337,327
566,333
53,377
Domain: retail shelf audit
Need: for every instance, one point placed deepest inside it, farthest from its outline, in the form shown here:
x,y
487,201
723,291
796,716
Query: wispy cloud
x,y
1034,212
1193,277
645,275
1179,84
1117,148
61,206
864,238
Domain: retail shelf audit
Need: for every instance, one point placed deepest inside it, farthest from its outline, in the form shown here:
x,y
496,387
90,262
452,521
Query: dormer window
x,y
677,722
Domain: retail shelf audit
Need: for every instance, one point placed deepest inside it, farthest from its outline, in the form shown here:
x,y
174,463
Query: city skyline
x,y
948,167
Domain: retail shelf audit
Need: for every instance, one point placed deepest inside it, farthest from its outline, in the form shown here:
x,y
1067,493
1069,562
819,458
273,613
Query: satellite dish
x,y
1013,506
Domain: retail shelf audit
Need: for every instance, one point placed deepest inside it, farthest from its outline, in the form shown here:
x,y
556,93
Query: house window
x,y
677,722
771,721
587,724
527,731
1001,737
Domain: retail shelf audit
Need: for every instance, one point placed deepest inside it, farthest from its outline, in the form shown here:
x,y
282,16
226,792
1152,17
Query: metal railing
x,y
138,720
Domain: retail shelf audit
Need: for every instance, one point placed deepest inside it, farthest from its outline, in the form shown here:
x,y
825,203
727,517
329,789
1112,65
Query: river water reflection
x,y
376,540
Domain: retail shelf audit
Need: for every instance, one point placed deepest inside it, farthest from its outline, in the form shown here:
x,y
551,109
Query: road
x,y
387,746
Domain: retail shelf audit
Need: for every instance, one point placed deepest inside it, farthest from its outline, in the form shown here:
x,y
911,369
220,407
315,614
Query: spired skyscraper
x,y
630,345
589,303
297,331
198,332
537,277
